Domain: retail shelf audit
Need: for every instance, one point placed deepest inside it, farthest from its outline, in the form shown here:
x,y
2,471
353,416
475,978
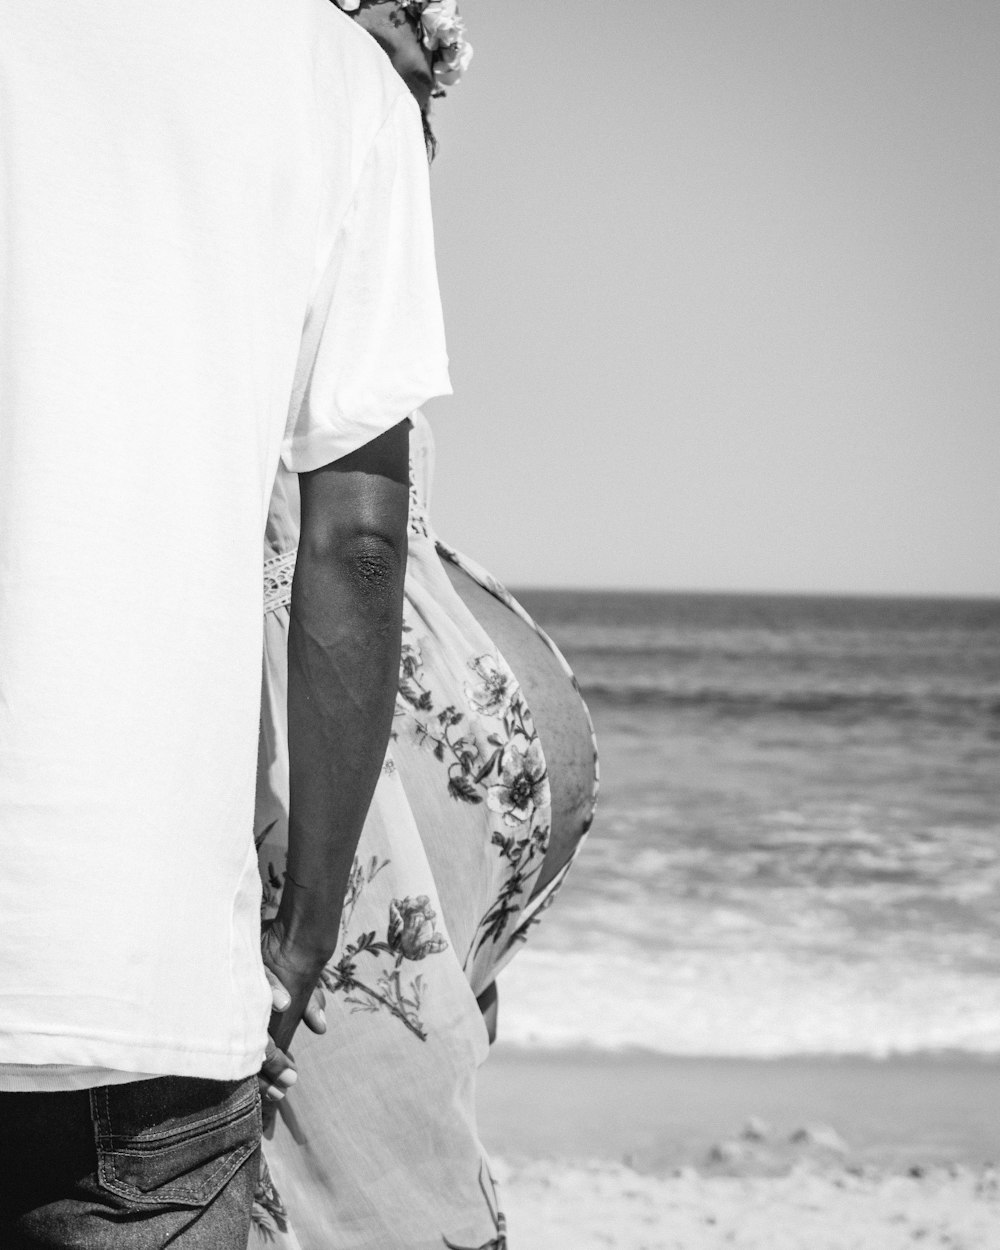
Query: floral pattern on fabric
x,y
410,936
370,972
496,688
492,756
541,902
268,1217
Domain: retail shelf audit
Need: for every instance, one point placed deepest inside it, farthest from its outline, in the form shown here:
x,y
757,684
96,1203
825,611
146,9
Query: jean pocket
x,y
174,1141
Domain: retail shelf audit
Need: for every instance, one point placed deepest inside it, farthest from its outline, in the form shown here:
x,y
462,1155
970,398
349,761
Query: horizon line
x,y
913,596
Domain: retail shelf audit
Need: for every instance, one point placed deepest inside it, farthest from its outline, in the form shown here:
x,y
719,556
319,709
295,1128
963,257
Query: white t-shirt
x,y
215,248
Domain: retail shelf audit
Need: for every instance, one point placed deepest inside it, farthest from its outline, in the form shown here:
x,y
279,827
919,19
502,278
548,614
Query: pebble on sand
x,y
820,1137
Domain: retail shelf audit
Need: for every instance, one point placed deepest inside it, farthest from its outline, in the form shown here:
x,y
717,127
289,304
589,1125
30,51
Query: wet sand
x,y
643,1152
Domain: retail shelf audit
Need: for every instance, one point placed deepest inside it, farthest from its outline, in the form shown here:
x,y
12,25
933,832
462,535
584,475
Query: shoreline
x,y
656,1113
649,1152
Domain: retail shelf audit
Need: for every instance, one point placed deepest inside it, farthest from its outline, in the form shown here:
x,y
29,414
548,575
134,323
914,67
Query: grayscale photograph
x,y
499,625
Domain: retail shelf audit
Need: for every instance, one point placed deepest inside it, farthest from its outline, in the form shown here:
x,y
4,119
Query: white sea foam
x,y
755,1004
797,850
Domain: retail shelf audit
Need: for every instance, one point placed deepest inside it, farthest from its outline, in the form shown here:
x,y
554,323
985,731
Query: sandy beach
x,y
647,1152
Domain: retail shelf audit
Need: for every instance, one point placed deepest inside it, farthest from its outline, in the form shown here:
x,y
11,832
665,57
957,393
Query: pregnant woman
x,y
485,794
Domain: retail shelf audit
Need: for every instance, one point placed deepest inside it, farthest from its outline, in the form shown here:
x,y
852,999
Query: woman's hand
x,y
278,1074
314,1016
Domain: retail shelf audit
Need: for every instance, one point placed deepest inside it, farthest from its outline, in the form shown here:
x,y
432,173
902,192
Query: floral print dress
x,y
376,1147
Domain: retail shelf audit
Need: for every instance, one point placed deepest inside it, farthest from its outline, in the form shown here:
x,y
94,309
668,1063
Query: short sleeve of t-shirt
x,y
373,346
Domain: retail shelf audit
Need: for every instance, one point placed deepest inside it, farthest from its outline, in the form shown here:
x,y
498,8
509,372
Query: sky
x,y
722,288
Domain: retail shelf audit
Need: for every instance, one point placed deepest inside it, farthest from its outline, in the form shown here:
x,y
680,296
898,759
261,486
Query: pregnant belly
x,y
558,711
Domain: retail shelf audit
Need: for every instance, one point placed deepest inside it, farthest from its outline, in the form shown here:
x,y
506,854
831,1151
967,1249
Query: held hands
x,y
295,995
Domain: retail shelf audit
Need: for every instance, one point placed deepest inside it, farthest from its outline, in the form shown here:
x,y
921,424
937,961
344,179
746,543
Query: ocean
x,y
797,847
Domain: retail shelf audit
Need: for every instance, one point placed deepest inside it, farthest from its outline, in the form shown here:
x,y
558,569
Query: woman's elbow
x,y
375,563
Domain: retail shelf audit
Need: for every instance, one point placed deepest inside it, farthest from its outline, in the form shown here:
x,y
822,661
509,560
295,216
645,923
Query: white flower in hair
x,y
444,36
441,23
442,33
452,63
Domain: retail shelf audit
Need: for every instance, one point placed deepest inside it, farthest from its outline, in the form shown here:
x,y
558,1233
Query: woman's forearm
x,y
343,671
343,666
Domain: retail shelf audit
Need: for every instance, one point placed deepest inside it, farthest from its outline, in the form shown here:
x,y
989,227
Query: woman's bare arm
x,y
343,668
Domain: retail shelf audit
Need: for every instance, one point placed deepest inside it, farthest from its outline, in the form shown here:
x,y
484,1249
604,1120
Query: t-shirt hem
x,y
146,1058
41,1078
321,445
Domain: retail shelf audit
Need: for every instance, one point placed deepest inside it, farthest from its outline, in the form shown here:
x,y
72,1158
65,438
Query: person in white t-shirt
x,y
216,253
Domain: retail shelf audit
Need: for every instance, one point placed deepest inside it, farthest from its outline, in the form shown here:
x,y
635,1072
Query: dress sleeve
x,y
373,345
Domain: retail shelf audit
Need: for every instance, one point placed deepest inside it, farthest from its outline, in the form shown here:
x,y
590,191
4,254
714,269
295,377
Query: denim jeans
x,y
166,1162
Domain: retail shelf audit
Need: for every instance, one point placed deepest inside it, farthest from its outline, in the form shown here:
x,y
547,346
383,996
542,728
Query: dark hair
x,y
430,142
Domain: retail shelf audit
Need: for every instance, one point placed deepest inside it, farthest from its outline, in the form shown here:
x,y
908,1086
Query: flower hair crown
x,y
442,33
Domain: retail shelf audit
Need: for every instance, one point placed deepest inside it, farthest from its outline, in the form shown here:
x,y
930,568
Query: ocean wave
x,y
750,1004
895,704
745,647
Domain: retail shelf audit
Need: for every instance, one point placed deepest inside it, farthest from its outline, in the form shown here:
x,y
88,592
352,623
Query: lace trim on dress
x,y
419,526
278,573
